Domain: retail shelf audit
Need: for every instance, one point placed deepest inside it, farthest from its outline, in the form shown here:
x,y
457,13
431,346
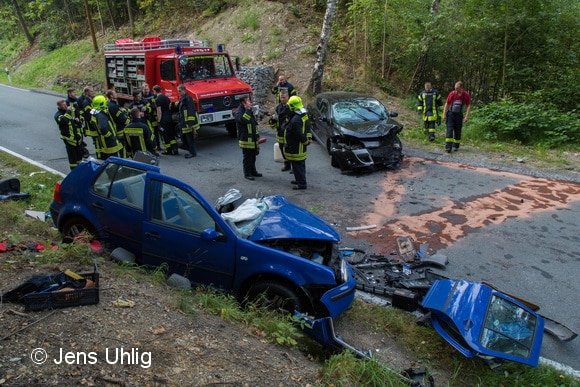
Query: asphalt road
x,y
513,226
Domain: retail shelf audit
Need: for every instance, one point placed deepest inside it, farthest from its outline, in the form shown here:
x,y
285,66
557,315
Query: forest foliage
x,y
518,58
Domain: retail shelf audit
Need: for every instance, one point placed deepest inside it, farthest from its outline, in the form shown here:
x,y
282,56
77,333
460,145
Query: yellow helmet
x,y
99,102
295,103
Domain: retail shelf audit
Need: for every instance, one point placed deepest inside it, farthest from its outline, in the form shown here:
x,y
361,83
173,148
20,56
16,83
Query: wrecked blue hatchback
x,y
264,248
480,321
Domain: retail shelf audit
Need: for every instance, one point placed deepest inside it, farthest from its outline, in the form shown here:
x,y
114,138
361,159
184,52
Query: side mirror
x,y
209,235
237,61
323,118
393,114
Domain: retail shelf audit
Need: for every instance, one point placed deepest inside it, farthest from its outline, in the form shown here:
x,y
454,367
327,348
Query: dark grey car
x,y
357,130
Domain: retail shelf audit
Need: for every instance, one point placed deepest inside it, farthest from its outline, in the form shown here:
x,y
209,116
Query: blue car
x,y
271,249
480,321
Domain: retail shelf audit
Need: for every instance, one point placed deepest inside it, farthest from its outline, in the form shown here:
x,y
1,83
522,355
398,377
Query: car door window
x,y
120,183
177,208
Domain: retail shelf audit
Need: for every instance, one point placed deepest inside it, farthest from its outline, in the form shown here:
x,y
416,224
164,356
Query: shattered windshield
x,y
359,110
508,328
200,67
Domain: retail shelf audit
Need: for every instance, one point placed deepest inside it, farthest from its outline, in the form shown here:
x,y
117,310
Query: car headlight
x,y
343,271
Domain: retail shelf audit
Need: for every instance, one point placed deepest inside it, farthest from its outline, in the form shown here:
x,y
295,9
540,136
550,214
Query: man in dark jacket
x,y
70,133
248,137
282,115
138,135
166,125
188,120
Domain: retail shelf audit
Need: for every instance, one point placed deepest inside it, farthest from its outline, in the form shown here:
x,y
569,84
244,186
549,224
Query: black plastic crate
x,y
65,299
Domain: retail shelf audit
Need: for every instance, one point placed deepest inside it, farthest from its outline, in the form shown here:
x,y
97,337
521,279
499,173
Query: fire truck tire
x,y
231,128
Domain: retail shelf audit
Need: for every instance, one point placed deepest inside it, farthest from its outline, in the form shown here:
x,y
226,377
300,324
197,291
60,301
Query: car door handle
x,y
98,206
152,235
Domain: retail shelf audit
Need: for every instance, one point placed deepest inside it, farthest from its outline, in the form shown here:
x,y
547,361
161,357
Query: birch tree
x,y
315,84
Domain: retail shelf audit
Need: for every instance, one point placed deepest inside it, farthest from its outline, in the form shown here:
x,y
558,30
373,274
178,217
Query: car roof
x,y
335,96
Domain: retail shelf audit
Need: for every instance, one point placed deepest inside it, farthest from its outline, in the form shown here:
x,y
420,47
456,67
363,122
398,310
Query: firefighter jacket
x,y
282,112
138,137
429,103
84,104
119,115
105,126
247,126
70,132
188,118
296,136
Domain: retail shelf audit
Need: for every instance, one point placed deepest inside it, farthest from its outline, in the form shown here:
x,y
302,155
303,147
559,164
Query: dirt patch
x,y
150,343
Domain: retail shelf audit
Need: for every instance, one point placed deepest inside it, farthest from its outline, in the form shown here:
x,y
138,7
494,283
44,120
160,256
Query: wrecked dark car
x,y
270,249
356,130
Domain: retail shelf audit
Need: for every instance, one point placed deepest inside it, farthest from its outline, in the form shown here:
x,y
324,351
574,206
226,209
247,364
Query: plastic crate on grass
x,y
63,298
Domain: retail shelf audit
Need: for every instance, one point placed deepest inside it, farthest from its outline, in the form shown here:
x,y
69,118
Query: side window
x,y
122,184
167,70
179,209
323,108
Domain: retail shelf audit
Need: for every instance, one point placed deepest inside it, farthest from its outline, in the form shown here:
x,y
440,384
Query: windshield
x,y
359,110
200,67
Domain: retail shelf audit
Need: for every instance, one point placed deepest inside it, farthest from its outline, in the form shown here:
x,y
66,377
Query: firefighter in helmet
x,y
109,145
297,136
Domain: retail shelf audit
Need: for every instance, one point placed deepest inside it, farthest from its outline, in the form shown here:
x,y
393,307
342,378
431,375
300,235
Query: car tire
x,y
334,162
273,295
232,129
77,225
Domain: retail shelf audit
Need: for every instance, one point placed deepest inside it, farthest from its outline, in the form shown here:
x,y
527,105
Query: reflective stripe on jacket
x,y
247,128
296,137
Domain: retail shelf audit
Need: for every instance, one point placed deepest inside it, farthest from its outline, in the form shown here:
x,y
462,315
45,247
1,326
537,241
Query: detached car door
x,y
182,230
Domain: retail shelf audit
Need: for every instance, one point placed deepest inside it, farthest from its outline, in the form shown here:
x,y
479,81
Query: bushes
x,y
529,121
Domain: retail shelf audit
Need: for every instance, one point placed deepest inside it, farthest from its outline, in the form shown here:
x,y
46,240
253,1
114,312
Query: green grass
x,y
78,64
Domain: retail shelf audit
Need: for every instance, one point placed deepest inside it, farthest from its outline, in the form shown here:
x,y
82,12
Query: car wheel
x,y
334,162
76,226
232,129
275,296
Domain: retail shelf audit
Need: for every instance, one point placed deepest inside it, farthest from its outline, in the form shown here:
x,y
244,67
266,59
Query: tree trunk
x,y
29,37
131,22
315,84
91,27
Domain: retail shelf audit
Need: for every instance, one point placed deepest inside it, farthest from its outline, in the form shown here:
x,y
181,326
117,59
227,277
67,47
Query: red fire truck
x,y
209,76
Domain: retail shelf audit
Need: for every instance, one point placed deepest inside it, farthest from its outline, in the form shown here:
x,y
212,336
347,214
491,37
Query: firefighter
x,y
70,132
105,126
84,103
188,120
138,135
429,103
248,137
166,125
281,85
73,105
120,117
297,136
152,112
453,115
282,113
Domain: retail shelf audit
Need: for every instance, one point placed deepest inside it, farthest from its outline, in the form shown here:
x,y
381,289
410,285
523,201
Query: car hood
x,y
284,220
370,129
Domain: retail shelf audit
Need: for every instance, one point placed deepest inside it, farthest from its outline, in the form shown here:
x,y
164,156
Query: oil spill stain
x,y
442,226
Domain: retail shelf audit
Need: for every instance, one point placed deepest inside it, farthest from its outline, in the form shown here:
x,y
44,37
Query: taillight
x,y
56,194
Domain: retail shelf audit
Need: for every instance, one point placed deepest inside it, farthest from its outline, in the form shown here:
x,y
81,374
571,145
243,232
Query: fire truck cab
x,y
209,76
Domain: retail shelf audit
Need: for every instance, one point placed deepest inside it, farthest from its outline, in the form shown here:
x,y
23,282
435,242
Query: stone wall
x,y
261,79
